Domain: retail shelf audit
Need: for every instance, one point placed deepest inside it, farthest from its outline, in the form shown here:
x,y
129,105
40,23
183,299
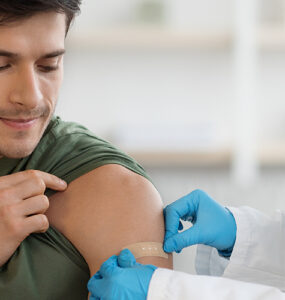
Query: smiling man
x,y
54,235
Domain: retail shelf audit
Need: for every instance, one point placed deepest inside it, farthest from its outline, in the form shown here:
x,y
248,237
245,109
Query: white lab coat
x,y
255,271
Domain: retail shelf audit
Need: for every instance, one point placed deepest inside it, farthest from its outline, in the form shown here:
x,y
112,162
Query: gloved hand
x,y
213,224
121,277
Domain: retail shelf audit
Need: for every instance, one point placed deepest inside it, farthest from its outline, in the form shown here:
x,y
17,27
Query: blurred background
x,y
194,90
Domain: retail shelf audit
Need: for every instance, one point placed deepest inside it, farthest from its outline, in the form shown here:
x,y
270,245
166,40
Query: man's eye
x,y
4,67
48,68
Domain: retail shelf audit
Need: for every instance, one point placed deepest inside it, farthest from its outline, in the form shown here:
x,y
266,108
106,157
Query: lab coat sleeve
x,y
209,262
259,252
166,284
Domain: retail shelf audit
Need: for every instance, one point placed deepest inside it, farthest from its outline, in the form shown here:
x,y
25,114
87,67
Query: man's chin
x,y
17,153
24,144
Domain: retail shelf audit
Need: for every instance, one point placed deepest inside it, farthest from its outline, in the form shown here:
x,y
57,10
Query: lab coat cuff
x,y
243,235
169,284
209,262
159,284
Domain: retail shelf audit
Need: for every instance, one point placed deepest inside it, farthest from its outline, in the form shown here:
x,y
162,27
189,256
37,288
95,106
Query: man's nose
x,y
27,89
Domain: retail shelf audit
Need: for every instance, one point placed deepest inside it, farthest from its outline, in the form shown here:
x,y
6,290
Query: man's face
x,y
31,72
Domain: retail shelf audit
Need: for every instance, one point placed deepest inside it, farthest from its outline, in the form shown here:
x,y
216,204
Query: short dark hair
x,y
14,10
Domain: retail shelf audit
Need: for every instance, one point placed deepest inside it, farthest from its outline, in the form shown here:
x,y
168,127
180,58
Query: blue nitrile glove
x,y
121,277
213,224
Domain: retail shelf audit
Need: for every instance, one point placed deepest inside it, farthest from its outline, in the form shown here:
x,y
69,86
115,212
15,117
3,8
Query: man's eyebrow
x,y
48,55
53,54
8,54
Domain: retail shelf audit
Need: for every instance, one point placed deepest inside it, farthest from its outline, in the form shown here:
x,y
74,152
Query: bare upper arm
x,y
107,209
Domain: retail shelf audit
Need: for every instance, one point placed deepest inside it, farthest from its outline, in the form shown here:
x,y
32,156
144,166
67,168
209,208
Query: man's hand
x,y
121,277
22,207
213,224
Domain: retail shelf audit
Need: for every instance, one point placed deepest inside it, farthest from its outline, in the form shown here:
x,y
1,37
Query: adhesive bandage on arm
x,y
147,249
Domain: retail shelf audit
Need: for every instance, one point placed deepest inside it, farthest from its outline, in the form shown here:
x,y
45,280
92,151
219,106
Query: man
x,y
237,243
53,233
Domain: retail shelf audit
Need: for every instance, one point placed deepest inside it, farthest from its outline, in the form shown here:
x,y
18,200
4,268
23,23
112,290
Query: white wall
x,y
186,88
112,92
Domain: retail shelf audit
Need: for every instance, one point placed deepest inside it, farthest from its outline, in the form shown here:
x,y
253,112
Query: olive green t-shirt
x,y
47,266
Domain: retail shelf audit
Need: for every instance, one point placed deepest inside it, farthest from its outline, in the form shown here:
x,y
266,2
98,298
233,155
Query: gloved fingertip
x,y
108,266
172,245
126,259
92,281
95,277
167,247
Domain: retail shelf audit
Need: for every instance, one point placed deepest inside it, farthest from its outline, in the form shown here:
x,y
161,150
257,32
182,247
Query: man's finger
x,y
25,189
34,205
35,223
182,240
50,181
32,187
53,182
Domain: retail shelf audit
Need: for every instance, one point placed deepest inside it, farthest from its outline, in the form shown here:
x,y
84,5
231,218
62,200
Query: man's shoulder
x,y
105,210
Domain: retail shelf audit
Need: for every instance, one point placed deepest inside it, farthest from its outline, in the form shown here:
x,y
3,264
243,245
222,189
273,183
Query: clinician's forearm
x,y
259,252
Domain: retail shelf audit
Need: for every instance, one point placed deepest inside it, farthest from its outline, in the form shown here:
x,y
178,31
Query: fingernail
x,y
62,182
